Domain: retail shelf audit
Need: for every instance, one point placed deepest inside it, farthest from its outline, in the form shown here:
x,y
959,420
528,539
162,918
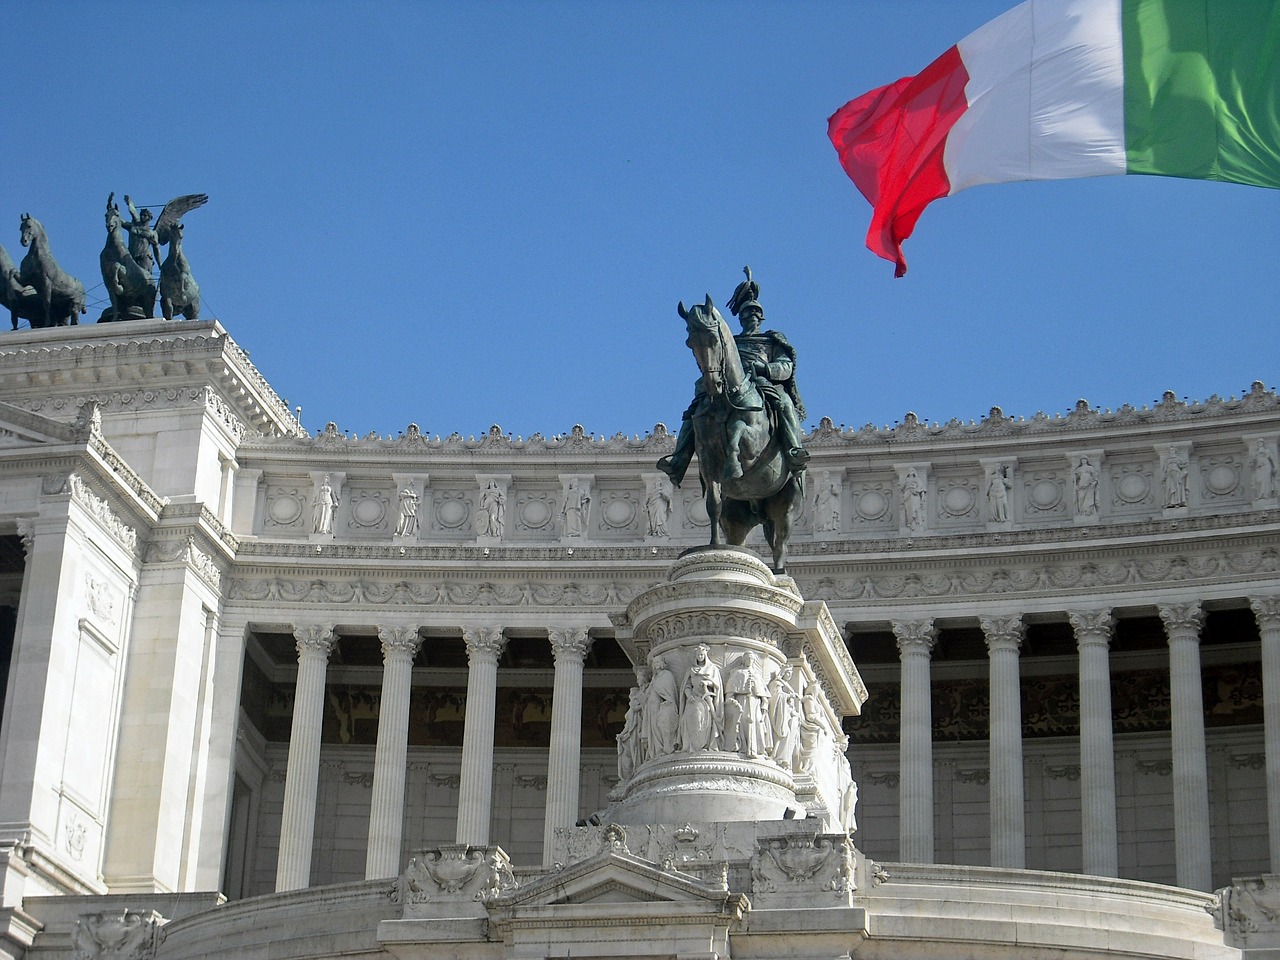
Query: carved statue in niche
x,y
323,506
746,709
784,718
662,710
810,732
493,511
826,504
1264,472
629,739
914,494
658,507
576,509
1085,480
702,704
407,525
1176,480
998,487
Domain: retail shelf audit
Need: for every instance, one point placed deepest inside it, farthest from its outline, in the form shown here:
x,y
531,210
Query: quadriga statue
x,y
179,292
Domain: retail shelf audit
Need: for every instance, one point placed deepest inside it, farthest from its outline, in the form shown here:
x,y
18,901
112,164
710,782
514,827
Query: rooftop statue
x,y
143,241
59,296
130,287
17,297
179,292
744,423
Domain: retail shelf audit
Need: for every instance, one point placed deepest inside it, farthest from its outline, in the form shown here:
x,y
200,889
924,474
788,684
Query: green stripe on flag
x,y
1202,89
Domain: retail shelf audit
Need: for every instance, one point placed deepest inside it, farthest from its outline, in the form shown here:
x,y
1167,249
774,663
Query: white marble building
x,y
250,672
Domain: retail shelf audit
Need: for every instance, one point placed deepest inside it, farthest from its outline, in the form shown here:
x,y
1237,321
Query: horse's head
x,y
31,229
706,340
113,214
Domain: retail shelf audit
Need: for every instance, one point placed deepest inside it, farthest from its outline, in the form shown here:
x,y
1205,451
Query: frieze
x,y
732,626
433,592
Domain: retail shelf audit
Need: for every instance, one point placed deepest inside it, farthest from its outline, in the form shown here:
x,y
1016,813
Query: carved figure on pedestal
x,y
576,509
493,511
658,507
629,739
826,505
1176,480
810,732
784,718
59,296
746,714
701,704
1085,479
323,506
131,289
744,423
662,710
179,292
407,524
914,497
1264,472
998,487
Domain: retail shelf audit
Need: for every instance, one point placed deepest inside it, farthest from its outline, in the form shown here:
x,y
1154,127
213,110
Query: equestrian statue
x,y
59,296
131,288
744,424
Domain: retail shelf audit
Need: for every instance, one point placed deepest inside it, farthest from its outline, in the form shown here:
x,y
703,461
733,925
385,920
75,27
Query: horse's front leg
x,y
713,512
733,449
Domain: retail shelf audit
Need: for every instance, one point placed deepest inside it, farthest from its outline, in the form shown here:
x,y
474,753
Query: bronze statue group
x,y
42,293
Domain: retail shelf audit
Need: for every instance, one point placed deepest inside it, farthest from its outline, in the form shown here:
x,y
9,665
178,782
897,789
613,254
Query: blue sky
x,y
459,214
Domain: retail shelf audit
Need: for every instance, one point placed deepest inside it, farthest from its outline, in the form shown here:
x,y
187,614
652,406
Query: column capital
x,y
1003,633
399,642
1092,627
915,636
1266,610
314,640
1182,619
483,643
572,643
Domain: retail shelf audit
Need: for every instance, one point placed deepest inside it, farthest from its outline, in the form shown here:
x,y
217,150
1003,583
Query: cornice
x,y
145,356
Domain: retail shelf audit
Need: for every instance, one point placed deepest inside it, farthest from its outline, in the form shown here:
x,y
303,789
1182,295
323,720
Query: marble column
x,y
915,742
1097,751
386,812
475,790
298,822
569,646
1190,764
1008,813
1267,612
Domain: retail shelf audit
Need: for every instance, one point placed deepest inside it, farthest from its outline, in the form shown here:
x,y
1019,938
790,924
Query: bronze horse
x,y
59,296
132,292
734,424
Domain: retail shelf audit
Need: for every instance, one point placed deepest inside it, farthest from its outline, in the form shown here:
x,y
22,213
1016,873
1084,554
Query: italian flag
x,y
1072,88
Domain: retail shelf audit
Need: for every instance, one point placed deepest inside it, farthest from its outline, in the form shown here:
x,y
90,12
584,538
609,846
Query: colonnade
x,y
400,643
1092,629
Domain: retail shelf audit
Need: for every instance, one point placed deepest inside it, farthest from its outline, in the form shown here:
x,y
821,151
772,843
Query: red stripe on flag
x,y
890,142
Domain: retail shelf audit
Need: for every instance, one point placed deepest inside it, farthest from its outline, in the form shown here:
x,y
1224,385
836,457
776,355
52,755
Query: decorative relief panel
x,y
695,512
285,506
1221,478
1044,494
535,512
370,508
1132,487
957,500
872,503
453,512
619,513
